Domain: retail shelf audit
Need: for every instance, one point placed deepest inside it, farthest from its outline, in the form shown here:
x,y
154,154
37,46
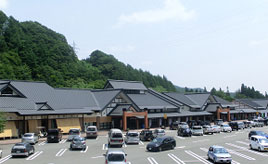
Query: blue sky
x,y
193,43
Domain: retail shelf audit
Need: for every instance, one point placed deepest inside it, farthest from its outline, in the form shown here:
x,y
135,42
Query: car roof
x,y
132,132
259,137
21,144
116,151
91,127
116,130
216,146
29,133
164,137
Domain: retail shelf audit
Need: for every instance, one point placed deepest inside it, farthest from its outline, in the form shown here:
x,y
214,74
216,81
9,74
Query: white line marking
x,y
104,147
244,143
84,151
141,143
180,147
124,145
152,160
97,157
176,159
179,137
5,158
229,136
61,152
246,149
42,143
201,159
36,154
97,138
63,141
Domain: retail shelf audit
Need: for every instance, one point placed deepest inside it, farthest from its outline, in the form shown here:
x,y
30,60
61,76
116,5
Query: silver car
x,y
219,154
216,128
226,128
132,138
197,130
78,143
31,138
115,156
75,132
22,149
92,131
159,133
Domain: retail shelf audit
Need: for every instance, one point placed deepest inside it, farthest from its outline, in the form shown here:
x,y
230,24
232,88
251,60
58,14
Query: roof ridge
x,y
23,81
125,81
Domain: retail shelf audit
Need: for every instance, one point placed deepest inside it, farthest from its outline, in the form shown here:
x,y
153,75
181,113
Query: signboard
x,y
165,116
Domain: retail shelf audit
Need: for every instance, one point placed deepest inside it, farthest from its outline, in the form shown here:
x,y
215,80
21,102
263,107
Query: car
x,y
54,135
74,132
91,132
22,149
132,138
31,138
233,125
207,129
161,143
258,122
197,130
226,128
259,143
247,124
241,125
78,143
115,138
216,129
146,135
159,133
192,123
257,133
115,156
254,124
174,125
1,153
218,122
219,154
183,125
184,132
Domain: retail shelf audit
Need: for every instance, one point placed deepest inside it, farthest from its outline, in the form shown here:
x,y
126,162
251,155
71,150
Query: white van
x,y
91,131
259,143
115,138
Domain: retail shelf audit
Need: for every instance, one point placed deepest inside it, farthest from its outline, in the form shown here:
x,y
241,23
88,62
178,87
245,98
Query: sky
x,y
193,43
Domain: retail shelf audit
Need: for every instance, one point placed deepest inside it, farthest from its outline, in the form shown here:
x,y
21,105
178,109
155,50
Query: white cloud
x,y
255,43
127,48
172,10
3,4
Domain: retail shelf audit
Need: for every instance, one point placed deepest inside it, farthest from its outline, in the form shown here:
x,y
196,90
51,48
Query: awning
x,y
66,124
10,130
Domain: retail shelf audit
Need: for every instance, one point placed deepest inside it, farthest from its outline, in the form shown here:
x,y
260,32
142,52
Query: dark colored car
x,y
161,143
247,124
192,123
257,133
174,125
184,132
54,135
22,149
234,125
146,135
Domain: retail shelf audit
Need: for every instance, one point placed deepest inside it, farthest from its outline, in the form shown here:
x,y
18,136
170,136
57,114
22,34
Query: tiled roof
x,y
128,85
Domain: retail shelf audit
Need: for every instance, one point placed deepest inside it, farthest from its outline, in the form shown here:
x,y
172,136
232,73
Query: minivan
x,y
92,131
54,135
115,138
259,143
73,132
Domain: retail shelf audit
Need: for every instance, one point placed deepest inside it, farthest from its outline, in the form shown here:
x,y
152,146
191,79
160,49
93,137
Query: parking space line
x,y
176,159
97,138
36,154
97,157
61,152
104,147
241,142
5,158
84,151
152,160
63,141
201,159
179,137
229,136
141,143
42,143
180,147
246,149
124,145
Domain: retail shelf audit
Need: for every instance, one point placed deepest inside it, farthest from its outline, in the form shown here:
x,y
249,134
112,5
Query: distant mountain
x,y
31,51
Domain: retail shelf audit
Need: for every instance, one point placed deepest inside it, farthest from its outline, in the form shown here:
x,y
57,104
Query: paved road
x,y
188,151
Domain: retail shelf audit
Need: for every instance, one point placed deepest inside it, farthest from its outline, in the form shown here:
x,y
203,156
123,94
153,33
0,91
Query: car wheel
x,y
33,151
172,146
214,161
250,146
27,155
259,149
159,149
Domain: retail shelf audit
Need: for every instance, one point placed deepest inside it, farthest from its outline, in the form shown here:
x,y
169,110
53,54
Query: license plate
x,y
18,151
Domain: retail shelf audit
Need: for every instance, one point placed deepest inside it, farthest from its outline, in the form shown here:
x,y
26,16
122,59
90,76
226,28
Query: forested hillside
x,y
31,51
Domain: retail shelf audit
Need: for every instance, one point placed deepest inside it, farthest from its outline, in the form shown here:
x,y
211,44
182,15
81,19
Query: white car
x,y
159,133
31,138
216,128
226,128
74,132
132,138
197,130
219,154
114,156
259,143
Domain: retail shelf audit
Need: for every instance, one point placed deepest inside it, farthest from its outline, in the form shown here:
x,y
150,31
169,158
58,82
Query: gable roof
x,y
252,103
125,85
104,97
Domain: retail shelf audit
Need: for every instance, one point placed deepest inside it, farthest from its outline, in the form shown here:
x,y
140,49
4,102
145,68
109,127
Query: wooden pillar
x,y
146,120
23,130
124,120
228,116
98,122
137,123
83,123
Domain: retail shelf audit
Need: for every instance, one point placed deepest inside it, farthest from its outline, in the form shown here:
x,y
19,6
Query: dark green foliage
x,y
220,93
2,121
247,92
31,51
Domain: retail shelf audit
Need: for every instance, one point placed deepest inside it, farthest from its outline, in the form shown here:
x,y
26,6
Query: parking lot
x,y
188,150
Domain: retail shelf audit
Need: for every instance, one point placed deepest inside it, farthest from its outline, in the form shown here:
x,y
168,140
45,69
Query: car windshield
x,y
160,131
260,133
79,139
220,150
74,131
116,157
157,140
27,135
117,135
263,140
197,128
53,132
91,129
225,125
132,134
